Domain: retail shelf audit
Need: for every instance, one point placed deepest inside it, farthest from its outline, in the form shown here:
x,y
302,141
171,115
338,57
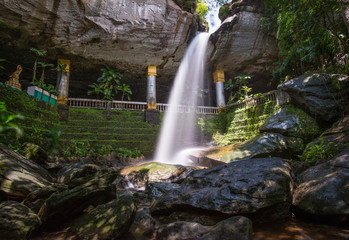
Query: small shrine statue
x,y
14,78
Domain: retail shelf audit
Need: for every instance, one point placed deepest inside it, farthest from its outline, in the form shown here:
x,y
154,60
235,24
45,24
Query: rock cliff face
x,y
239,46
128,34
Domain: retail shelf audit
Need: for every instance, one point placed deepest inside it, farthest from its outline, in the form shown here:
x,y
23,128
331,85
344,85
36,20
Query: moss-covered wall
x,y
237,125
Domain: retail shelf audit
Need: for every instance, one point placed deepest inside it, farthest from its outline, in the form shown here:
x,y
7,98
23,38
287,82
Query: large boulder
x,y
143,226
37,198
139,175
260,188
322,95
240,46
20,176
292,122
74,171
232,228
69,202
16,221
323,191
107,221
263,145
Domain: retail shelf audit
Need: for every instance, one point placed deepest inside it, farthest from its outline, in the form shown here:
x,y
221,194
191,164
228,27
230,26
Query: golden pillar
x,y
218,78
151,87
63,80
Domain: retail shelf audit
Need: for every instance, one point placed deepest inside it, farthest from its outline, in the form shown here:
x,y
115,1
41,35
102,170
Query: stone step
x,y
147,148
114,130
104,115
94,123
105,136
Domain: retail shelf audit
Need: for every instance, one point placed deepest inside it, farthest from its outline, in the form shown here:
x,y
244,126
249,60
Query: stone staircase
x,y
113,128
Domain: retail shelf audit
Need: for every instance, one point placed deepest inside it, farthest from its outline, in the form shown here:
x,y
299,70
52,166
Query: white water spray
x,y
178,129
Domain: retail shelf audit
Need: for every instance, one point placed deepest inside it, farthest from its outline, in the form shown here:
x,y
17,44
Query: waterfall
x,y
178,129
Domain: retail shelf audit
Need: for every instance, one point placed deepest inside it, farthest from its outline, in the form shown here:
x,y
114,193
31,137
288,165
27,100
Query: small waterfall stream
x,y
178,129
177,136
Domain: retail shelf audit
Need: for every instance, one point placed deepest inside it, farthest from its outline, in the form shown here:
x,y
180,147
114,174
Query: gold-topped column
x,y
63,81
151,87
218,77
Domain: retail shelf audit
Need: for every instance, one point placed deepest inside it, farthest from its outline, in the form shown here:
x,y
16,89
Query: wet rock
x,y
322,95
77,170
292,122
153,172
323,193
232,228
35,153
20,176
88,191
107,221
157,189
36,199
259,188
263,145
143,226
16,221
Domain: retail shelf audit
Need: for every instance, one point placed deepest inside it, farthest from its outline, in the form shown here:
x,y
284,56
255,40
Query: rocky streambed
x,y
237,200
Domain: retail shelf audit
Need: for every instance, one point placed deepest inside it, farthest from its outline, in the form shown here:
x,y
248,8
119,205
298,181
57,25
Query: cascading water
x,y
178,129
177,136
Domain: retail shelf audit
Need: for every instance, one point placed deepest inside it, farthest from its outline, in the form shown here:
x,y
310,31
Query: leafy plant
x,y
311,36
318,151
77,148
125,152
126,91
97,89
240,87
43,66
6,123
38,53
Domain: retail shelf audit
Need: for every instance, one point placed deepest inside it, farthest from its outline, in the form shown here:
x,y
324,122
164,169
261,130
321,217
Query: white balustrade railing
x,y
137,106
277,97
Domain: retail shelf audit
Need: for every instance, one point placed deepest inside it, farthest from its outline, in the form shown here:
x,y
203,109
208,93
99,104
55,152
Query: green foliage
x,y
124,152
202,10
109,84
322,149
44,65
38,53
312,35
76,148
126,91
239,87
39,117
6,121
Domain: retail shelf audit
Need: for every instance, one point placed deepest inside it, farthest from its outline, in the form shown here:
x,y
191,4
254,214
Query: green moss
x,y
243,124
39,116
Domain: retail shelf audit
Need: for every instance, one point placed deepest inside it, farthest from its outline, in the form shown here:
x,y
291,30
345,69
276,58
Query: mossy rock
x,y
263,145
34,152
153,172
107,221
292,122
16,221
